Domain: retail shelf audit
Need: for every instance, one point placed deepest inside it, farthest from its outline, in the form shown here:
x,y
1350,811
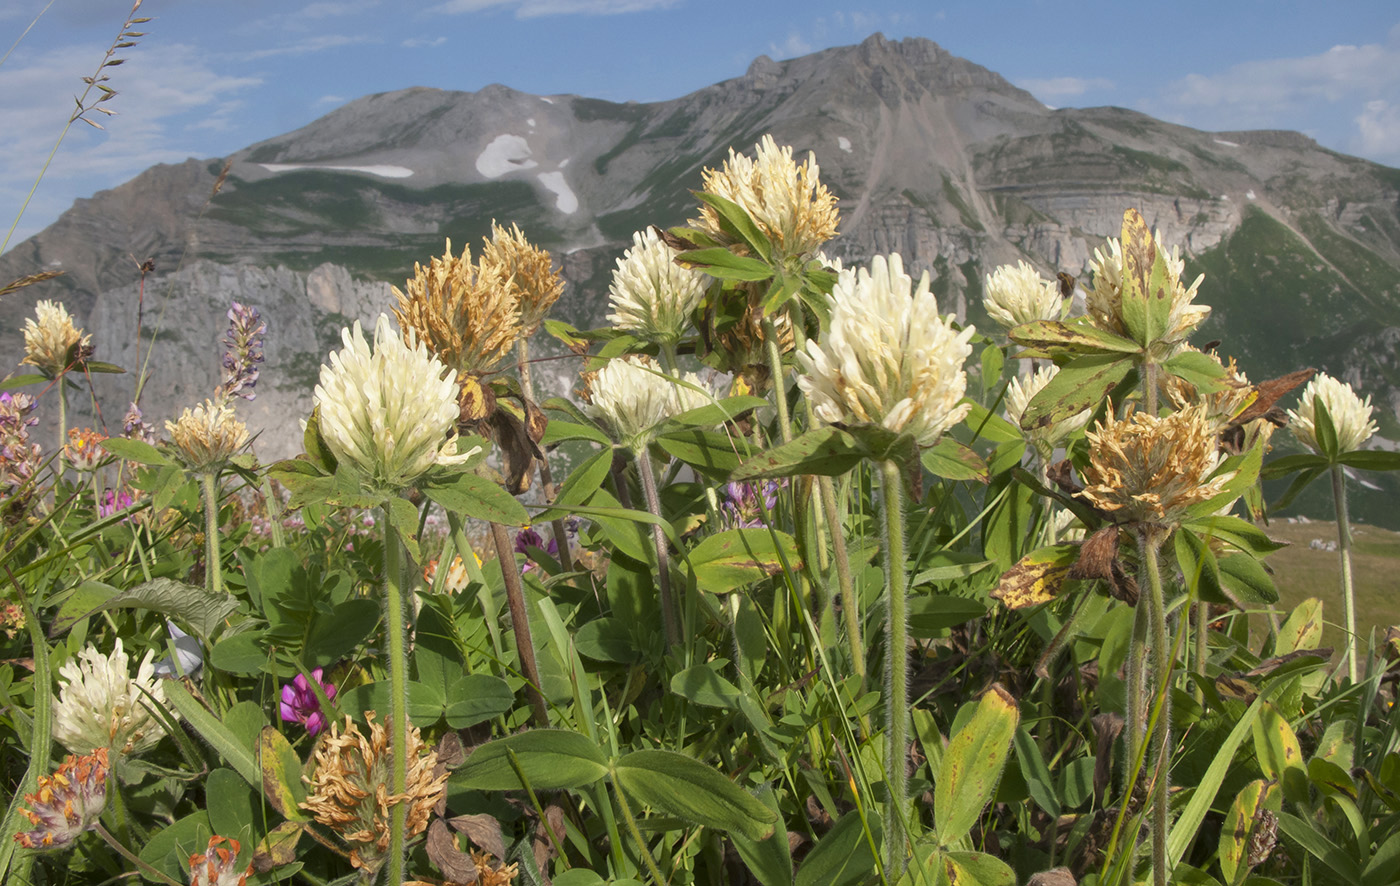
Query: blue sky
x,y
213,76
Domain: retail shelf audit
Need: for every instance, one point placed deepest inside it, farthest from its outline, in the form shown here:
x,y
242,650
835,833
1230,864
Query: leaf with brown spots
x,y
1037,577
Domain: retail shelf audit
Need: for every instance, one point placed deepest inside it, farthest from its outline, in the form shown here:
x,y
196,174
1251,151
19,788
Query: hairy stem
x,y
213,566
561,532
663,560
850,604
396,631
520,624
779,382
1339,499
896,670
1161,735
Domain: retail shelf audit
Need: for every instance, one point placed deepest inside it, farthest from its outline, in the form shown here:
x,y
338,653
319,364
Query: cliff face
x,y
932,156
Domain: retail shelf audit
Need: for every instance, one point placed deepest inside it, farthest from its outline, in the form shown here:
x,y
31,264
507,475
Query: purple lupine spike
x,y
135,427
244,352
741,508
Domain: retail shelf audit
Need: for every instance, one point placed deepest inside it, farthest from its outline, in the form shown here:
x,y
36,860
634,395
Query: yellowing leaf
x,y
1037,578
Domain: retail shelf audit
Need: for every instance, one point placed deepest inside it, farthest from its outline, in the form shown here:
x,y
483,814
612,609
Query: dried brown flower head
x,y
1149,470
349,791
515,261
462,312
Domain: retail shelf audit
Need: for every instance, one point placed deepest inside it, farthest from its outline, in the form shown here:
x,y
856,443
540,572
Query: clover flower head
x,y
1104,299
51,341
218,865
1351,416
1019,394
888,359
100,705
652,296
787,201
1017,294
631,396
515,262
67,803
207,436
300,705
388,413
465,314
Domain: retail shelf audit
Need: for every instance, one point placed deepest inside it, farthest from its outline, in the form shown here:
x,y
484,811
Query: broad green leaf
x,y
281,774
725,265
582,482
137,451
967,868
1247,579
737,221
1275,744
825,451
1371,460
972,765
332,637
426,702
607,639
1238,532
191,604
243,654
1240,823
1290,463
952,460
932,615
230,801
552,759
1076,337
1079,385
712,414
1039,781
1301,482
739,557
1245,469
1302,629
769,860
99,366
702,685
472,496
843,856
682,786
1306,835
476,698
558,430
1324,430
1200,370
169,849
19,381
713,453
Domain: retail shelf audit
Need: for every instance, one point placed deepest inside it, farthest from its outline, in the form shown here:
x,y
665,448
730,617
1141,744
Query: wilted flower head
x,y
630,395
207,436
100,705
1351,416
349,791
300,705
745,503
243,354
463,314
743,344
1150,470
788,202
11,619
218,865
1044,438
515,261
388,413
888,359
67,803
84,448
51,342
1017,294
1232,397
1104,299
652,296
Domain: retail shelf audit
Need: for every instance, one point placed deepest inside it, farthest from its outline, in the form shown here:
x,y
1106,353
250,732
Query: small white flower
x,y
207,436
1351,416
889,358
1017,294
652,296
99,705
1019,394
388,413
49,338
632,397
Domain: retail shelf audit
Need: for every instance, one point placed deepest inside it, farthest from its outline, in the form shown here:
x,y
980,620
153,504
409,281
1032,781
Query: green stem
x,y
213,566
561,532
1202,647
850,604
520,624
1339,499
130,856
62,424
1137,679
636,833
273,505
663,560
779,381
1161,735
896,671
396,629
1150,372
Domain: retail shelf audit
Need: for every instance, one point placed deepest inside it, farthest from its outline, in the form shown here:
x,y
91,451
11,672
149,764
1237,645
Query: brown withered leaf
x,y
1269,665
1061,473
535,421
1107,728
676,242
278,848
1036,578
542,844
1067,283
483,830
1098,558
1236,688
518,451
1268,393
441,846
477,401
1053,877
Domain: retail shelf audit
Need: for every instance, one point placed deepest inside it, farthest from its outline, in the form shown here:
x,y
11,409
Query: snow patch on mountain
x,y
506,153
381,171
566,201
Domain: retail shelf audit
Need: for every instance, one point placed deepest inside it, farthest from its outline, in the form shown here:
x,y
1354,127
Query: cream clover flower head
x,y
788,202
99,705
1017,294
889,358
207,436
652,296
1019,394
631,396
1104,299
1351,416
389,413
49,338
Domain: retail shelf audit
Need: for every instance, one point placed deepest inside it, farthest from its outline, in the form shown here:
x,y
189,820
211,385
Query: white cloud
x,y
1063,87
422,42
793,46
318,43
1378,131
541,8
331,100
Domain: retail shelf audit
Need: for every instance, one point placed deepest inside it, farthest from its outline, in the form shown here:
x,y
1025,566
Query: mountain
x,y
932,156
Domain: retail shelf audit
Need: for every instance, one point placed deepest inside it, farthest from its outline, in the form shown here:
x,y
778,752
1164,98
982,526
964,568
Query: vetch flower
x,y
135,427
514,261
207,436
1150,470
19,458
349,790
388,413
243,354
300,705
51,342
463,314
888,359
67,803
745,502
529,537
84,449
788,202
630,395
457,576
114,500
1017,294
218,865
652,296
1351,416
1104,299
99,705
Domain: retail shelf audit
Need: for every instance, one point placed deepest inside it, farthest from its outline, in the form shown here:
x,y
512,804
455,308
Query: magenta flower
x,y
114,500
299,704
741,508
528,538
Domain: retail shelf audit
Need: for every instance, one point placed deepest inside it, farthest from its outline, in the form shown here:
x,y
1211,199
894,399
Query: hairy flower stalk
x,y
520,624
896,671
1351,422
1017,294
205,438
52,344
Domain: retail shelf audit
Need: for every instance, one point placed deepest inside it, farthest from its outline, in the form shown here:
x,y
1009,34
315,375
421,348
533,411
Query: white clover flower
x,y
1104,299
652,296
1351,416
99,705
1017,294
631,396
207,436
389,414
889,358
1019,394
49,338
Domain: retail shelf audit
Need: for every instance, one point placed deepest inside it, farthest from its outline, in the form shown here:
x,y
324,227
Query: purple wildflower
x,y
244,344
114,500
299,704
741,509
135,427
19,459
528,538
